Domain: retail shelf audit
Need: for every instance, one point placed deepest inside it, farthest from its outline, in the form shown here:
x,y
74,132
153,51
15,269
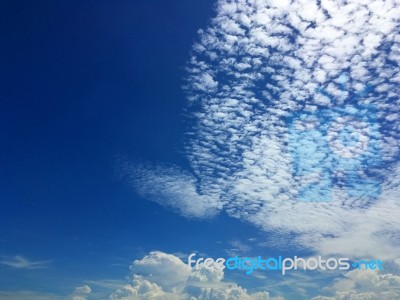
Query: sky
x,y
135,133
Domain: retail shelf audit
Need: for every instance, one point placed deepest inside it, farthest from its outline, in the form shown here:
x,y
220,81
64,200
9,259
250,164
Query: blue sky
x,y
137,132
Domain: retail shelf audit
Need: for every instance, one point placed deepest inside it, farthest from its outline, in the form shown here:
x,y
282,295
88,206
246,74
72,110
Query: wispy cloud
x,y
172,187
20,262
107,283
238,248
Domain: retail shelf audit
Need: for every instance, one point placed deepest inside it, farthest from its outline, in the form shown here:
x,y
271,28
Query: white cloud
x,y
81,293
166,270
106,283
141,289
172,187
164,276
20,262
260,62
238,248
362,285
85,289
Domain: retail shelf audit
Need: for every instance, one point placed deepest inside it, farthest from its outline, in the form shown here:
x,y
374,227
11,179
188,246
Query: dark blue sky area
x,y
80,84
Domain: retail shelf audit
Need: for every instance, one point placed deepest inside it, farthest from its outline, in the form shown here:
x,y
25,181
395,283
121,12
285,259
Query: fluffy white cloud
x,y
141,289
164,276
361,285
166,270
85,289
81,293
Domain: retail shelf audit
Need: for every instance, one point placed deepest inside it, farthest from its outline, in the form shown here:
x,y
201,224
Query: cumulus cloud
x,y
361,285
164,276
85,289
279,125
81,293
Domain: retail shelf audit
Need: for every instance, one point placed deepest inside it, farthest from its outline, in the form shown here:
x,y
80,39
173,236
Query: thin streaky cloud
x,y
20,262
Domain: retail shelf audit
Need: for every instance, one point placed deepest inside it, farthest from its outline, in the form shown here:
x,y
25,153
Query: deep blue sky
x,y
81,83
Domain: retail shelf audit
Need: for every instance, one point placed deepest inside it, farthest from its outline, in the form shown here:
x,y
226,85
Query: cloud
x,y
165,270
361,285
276,123
141,289
164,276
238,248
20,262
83,289
81,293
106,283
171,187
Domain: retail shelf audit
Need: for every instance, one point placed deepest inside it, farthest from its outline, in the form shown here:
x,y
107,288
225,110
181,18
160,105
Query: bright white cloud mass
x,y
164,276
265,81
360,285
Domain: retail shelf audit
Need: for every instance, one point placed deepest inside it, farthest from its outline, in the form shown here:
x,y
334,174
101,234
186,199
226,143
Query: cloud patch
x,y
20,262
256,66
164,276
361,285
